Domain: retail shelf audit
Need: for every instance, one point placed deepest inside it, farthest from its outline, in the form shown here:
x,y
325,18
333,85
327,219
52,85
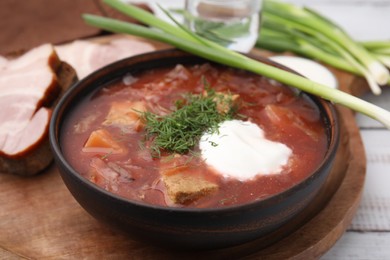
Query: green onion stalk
x,y
380,46
309,19
184,39
317,38
380,49
385,59
270,40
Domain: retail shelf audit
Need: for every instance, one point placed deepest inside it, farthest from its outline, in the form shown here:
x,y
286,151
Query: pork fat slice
x,y
27,84
86,57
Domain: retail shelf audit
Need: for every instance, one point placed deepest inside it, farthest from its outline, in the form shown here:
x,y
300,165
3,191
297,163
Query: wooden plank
x,y
360,246
42,21
5,254
374,210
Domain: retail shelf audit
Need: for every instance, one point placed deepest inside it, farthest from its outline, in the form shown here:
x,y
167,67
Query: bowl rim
x,y
325,107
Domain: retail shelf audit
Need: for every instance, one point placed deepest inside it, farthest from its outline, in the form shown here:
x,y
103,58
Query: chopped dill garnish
x,y
181,130
214,144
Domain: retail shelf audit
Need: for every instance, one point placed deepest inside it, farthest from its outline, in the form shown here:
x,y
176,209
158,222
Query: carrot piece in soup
x,y
100,141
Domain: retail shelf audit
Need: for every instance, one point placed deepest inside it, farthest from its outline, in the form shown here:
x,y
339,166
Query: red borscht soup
x,y
263,137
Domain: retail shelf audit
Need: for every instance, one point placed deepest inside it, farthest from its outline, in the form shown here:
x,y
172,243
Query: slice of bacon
x,y
27,85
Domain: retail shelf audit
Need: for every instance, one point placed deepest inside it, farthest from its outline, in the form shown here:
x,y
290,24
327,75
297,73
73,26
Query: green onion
x,y
380,49
302,47
377,46
310,21
298,30
190,42
385,59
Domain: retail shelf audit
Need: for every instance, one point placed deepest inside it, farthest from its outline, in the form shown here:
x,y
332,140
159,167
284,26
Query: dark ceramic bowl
x,y
184,227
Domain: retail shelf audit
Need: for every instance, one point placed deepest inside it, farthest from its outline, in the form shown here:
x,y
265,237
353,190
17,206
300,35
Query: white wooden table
x,y
368,237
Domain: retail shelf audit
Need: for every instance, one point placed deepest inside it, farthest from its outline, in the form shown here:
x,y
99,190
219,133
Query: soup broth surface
x,y
104,137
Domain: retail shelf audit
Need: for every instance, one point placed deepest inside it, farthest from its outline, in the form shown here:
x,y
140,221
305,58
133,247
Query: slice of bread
x,y
30,153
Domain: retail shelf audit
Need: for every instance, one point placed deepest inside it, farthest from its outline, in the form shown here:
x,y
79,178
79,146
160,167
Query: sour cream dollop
x,y
239,150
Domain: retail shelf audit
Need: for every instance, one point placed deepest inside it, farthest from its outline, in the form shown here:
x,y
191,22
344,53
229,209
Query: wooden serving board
x,y
39,219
